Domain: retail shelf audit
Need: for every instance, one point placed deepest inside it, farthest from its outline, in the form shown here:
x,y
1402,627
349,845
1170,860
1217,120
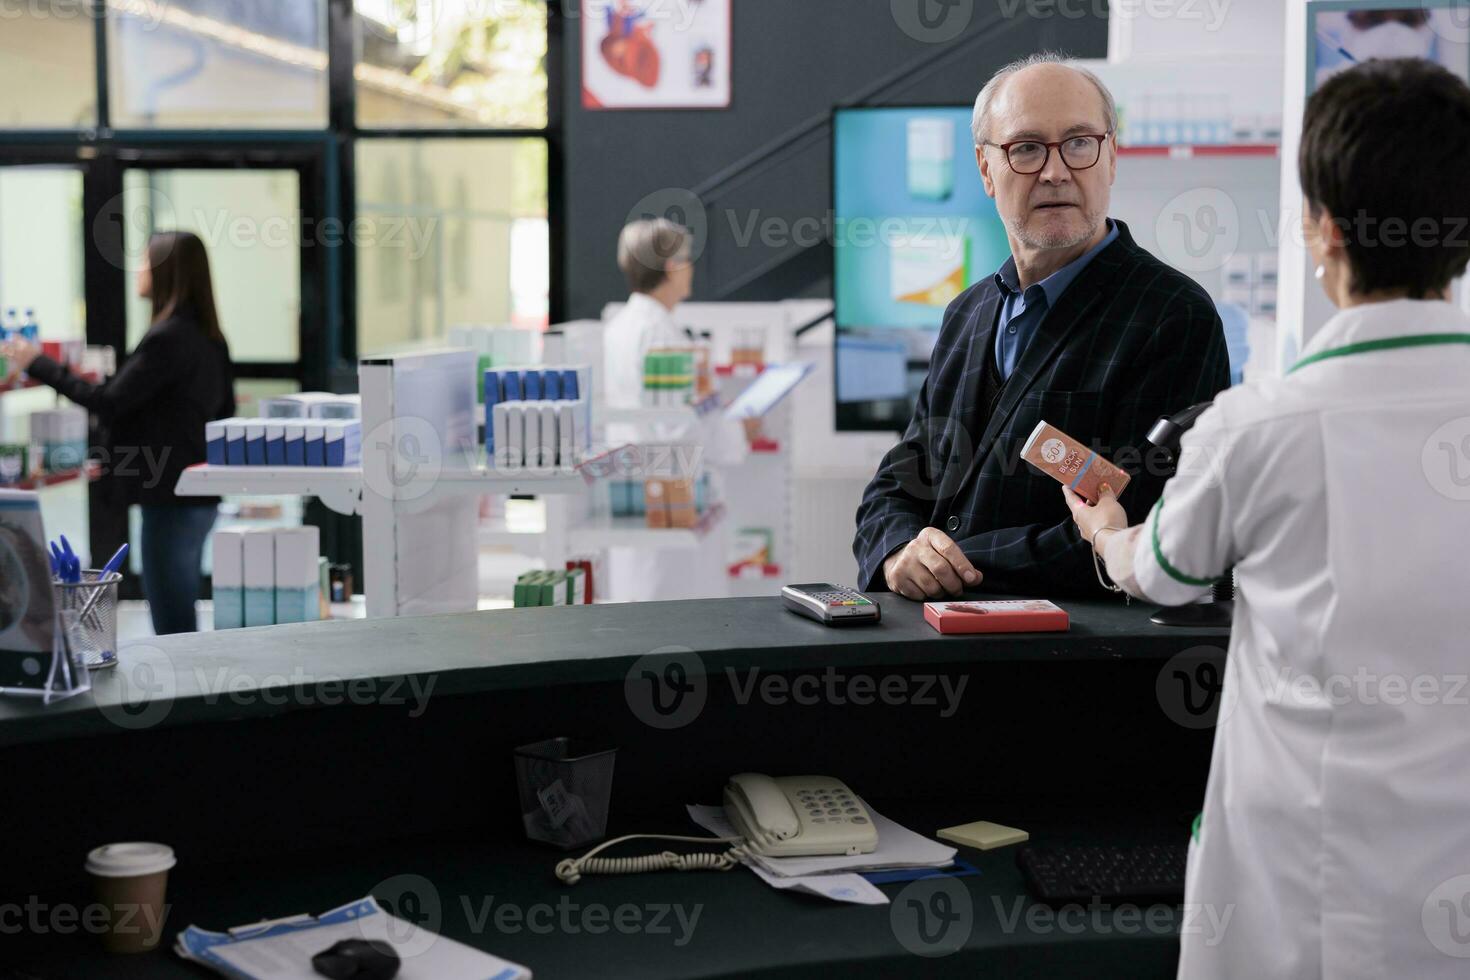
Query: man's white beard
x,y
1057,241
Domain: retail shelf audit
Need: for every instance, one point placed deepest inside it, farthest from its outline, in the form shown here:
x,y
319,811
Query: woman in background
x,y
177,379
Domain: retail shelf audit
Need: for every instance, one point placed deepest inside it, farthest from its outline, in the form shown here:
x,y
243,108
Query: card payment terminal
x,y
835,605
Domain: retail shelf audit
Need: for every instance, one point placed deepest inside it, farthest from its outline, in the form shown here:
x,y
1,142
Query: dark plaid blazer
x,y
1130,340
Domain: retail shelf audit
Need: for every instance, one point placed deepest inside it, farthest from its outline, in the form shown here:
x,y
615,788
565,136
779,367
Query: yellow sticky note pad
x,y
983,834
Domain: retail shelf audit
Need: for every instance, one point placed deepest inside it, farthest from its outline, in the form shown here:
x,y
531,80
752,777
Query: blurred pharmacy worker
x,y
1334,840
154,411
655,258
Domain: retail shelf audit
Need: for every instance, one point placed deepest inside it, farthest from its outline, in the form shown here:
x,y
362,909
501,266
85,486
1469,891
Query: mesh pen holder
x,y
88,613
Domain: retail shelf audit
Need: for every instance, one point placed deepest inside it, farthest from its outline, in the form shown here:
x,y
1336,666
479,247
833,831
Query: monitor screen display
x,y
913,229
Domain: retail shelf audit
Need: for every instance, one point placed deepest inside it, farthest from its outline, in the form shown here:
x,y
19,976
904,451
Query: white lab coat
x,y
1337,814
641,575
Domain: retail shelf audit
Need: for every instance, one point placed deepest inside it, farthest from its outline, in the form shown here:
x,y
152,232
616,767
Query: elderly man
x,y
1081,328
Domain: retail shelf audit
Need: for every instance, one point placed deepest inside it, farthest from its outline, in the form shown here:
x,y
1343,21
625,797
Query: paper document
x,y
282,949
898,847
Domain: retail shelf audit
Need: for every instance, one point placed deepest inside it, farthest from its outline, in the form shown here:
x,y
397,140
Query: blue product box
x,y
275,443
255,443
316,444
294,444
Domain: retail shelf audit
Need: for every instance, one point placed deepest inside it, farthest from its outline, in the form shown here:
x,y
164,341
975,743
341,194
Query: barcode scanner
x,y
357,959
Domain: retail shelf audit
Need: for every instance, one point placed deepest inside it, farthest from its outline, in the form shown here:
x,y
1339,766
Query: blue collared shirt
x,y
1021,313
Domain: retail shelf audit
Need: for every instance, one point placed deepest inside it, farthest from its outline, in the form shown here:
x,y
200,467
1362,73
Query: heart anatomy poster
x,y
656,54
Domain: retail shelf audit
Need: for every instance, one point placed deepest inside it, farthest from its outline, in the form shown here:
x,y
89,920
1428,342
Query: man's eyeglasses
x,y
1079,152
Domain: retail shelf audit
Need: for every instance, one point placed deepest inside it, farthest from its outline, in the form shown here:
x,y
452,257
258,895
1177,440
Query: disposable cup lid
x,y
130,860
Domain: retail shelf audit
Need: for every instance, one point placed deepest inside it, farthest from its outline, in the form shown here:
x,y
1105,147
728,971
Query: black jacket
x,y
1130,340
153,411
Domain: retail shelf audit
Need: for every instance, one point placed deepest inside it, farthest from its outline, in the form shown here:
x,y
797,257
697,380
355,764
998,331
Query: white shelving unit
x,y
419,514
339,489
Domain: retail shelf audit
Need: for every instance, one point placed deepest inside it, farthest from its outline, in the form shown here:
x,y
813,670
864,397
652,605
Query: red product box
x,y
997,616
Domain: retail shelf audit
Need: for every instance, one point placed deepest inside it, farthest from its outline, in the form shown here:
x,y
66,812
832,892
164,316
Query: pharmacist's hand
x,y
930,566
1091,518
752,428
20,353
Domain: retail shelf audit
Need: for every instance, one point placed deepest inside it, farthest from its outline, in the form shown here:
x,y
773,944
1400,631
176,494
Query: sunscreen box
x,y
1068,461
997,616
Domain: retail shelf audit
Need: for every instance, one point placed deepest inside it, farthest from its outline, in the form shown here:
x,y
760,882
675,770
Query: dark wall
x,y
768,155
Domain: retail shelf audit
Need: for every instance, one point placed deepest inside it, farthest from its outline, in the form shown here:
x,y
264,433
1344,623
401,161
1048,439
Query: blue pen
x,y
115,562
73,563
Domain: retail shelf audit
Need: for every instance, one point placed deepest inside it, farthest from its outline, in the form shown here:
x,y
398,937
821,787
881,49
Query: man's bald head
x,y
1045,71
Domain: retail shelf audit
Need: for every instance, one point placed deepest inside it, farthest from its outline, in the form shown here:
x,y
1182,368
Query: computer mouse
x,y
357,959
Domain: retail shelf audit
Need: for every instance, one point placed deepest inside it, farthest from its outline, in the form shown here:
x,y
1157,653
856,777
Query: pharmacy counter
x,y
218,677
296,768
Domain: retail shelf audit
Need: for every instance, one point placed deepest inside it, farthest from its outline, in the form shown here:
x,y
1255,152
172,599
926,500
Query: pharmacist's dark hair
x,y
1386,151
182,285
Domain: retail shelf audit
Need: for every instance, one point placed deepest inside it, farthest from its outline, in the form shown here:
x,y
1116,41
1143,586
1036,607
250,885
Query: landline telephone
x,y
784,816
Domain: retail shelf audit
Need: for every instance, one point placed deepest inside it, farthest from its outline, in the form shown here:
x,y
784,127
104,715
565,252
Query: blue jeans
x,y
173,552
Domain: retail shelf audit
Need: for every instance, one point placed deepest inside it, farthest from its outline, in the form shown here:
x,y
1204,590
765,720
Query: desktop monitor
x,y
913,228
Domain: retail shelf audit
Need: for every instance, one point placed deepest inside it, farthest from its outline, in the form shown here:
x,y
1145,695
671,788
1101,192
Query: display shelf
x,y
634,532
341,488
1188,151
338,488
521,482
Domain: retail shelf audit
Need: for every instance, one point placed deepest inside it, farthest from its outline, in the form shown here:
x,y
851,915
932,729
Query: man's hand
x,y
929,566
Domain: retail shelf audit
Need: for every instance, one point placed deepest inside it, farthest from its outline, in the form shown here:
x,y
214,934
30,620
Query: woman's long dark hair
x,y
182,284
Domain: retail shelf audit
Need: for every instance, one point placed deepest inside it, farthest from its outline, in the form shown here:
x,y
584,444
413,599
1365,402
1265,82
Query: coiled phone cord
x,y
570,870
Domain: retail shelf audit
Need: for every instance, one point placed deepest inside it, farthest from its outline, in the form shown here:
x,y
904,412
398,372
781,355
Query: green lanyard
x,y
1388,343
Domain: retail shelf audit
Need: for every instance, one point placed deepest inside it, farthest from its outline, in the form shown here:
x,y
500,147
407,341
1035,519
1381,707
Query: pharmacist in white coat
x,y
1335,837
654,257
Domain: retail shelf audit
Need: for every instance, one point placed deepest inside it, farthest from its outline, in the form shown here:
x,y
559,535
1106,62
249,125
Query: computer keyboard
x,y
1141,874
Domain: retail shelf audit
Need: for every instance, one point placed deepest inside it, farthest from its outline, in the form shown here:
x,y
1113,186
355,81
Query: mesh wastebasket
x,y
565,786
